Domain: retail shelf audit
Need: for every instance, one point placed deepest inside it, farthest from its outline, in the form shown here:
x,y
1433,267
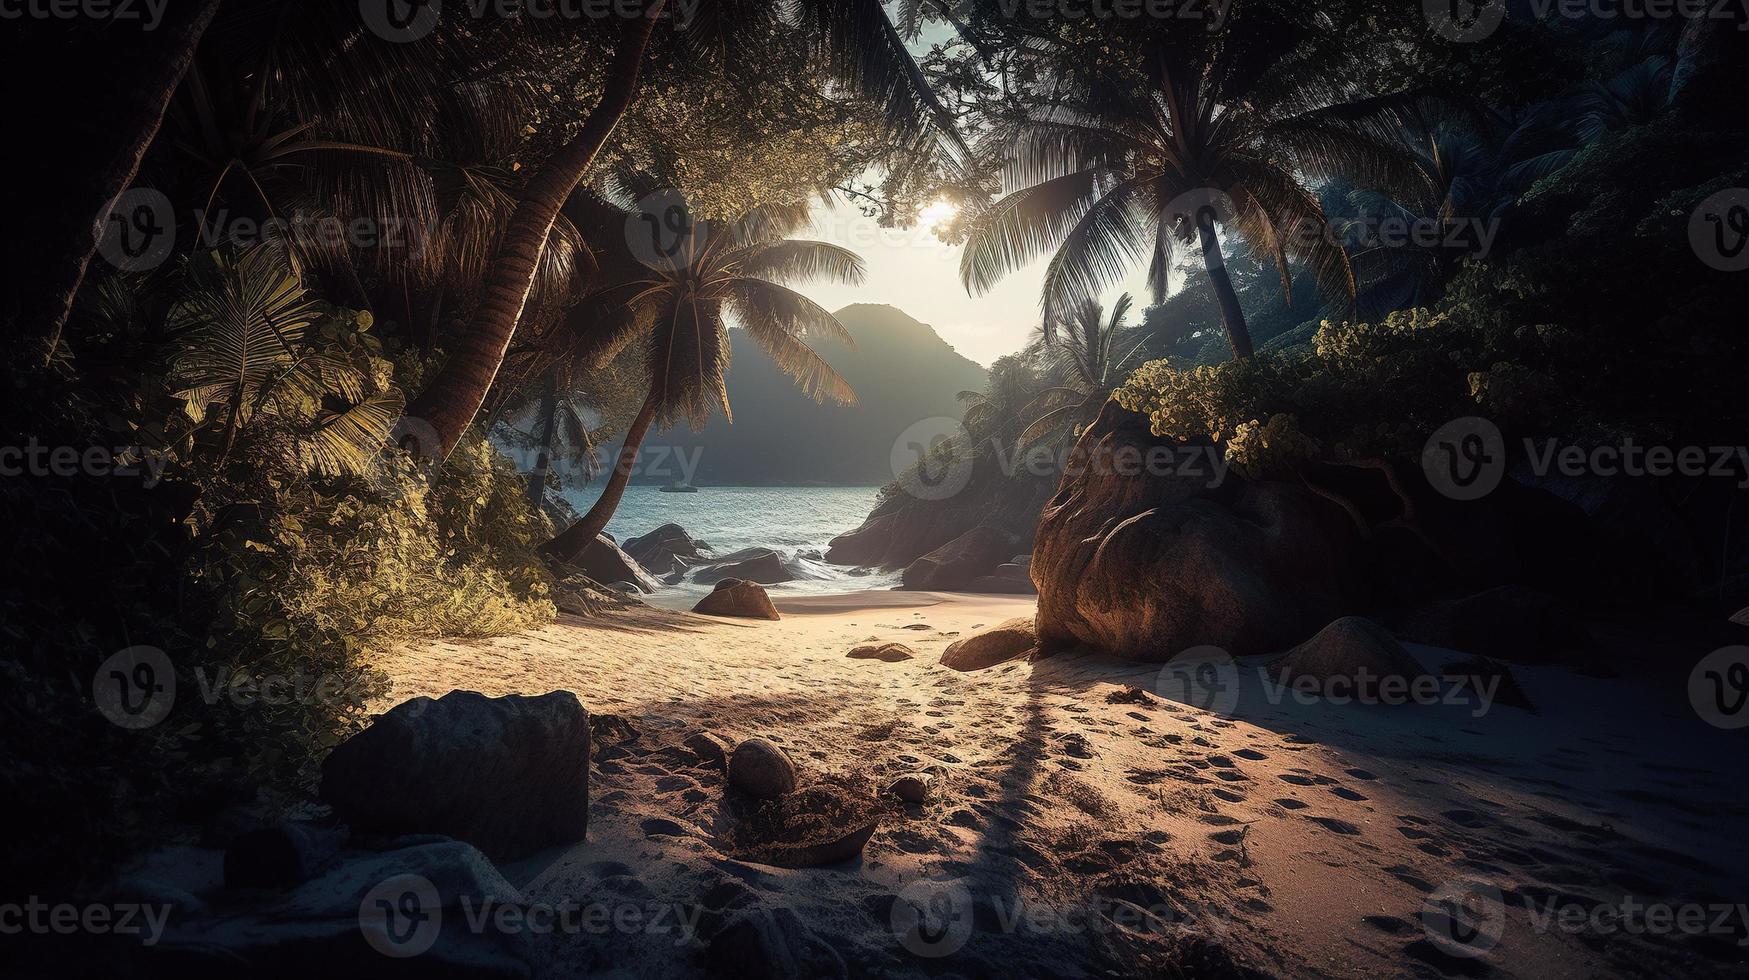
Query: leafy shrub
x,y
284,543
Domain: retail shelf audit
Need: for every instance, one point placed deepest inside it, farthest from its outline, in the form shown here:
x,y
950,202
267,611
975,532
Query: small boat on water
x,y
678,487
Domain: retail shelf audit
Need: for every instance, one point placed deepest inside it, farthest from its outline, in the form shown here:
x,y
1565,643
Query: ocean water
x,y
795,522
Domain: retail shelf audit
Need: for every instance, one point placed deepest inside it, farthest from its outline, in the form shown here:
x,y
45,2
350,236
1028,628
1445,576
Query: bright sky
x,y
913,270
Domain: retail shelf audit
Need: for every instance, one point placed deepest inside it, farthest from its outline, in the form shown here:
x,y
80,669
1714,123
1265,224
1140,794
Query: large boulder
x,y
734,597
664,551
760,565
401,912
509,775
606,562
1147,561
1361,654
956,564
987,648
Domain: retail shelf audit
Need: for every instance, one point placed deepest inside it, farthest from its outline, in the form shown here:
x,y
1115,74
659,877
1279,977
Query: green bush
x,y
285,541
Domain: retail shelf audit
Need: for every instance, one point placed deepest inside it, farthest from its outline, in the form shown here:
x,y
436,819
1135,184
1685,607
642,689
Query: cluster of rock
x,y
432,794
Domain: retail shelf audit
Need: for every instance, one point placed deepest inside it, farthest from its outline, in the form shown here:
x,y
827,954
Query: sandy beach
x,y
1081,830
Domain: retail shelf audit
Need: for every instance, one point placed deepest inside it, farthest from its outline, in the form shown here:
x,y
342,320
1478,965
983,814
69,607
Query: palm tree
x,y
1085,364
854,39
251,343
1213,135
1469,172
128,70
679,307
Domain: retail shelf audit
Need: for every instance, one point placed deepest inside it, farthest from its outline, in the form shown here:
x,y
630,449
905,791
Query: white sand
x,y
1303,840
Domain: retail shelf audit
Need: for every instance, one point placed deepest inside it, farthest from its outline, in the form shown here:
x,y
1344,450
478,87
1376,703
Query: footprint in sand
x,y
1336,826
1289,803
1251,754
1360,774
1230,796
1346,793
1468,819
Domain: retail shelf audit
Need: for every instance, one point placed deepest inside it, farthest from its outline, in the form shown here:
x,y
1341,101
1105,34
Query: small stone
x,y
916,787
710,749
761,769
890,653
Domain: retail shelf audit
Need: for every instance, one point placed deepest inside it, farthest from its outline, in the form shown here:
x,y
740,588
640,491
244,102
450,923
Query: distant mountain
x,y
902,372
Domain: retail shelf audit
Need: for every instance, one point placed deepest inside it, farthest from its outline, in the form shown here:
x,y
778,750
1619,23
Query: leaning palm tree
x,y
854,40
679,306
1085,361
1211,135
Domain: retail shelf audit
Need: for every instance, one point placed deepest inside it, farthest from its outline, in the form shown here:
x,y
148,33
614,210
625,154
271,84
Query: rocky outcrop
x,y
664,551
1360,653
1145,562
760,565
509,775
606,562
1012,578
903,528
987,648
734,597
956,564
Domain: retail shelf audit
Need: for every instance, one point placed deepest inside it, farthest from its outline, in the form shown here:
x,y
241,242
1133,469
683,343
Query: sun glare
x,y
937,214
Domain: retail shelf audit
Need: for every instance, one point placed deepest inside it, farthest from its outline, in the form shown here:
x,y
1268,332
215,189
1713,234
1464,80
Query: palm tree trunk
x,y
549,426
572,540
100,89
1232,314
453,398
